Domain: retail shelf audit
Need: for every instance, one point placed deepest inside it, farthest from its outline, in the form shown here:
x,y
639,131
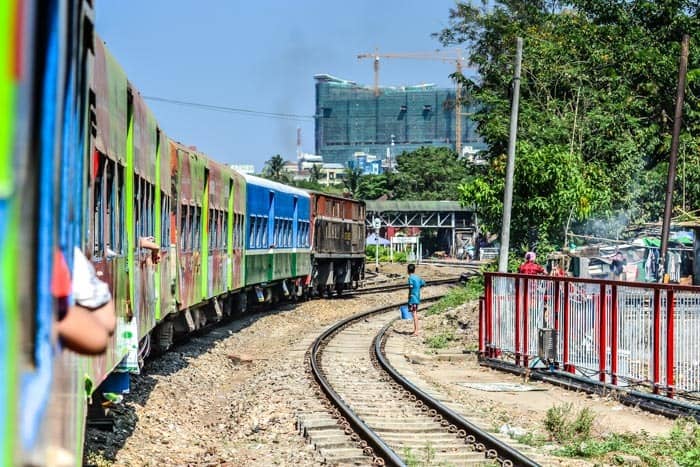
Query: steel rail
x,y
393,287
650,402
493,447
381,449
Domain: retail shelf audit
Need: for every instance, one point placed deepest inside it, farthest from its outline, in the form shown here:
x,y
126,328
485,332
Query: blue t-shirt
x,y
414,285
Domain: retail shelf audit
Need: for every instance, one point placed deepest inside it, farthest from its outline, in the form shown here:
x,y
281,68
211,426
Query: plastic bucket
x,y
405,314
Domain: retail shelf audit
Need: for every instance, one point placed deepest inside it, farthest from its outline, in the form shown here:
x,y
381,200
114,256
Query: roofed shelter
x,y
449,215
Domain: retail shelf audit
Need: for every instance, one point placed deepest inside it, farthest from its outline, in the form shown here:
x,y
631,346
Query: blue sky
x,y
262,55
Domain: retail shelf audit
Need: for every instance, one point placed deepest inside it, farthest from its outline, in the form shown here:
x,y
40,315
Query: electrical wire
x,y
234,110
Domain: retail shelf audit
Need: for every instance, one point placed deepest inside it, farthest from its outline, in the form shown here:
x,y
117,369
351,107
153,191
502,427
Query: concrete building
x,y
350,118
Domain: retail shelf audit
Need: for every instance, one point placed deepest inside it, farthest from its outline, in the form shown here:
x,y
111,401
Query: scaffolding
x,y
350,118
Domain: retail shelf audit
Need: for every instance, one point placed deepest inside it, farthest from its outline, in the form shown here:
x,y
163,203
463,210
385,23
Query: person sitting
x,y
530,266
85,326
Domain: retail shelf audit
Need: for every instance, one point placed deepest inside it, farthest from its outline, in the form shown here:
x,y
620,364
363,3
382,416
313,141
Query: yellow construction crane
x,y
450,55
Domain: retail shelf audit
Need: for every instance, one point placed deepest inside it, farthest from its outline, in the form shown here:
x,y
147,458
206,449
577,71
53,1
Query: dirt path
x,y
226,398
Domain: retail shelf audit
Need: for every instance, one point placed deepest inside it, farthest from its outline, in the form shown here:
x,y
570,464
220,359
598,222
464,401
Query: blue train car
x,y
277,253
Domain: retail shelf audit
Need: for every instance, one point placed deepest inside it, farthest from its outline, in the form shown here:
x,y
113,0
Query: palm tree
x,y
352,179
274,169
315,173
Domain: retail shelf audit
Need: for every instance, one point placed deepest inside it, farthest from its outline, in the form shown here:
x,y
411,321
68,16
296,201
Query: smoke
x,y
610,227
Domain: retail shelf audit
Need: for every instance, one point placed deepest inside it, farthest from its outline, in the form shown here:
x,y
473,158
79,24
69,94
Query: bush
x,y
564,427
384,254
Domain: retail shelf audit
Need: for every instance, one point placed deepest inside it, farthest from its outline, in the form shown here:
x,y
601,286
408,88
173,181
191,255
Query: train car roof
x,y
332,195
275,185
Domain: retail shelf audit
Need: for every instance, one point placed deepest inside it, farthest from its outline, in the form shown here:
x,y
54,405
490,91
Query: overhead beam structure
x,y
422,214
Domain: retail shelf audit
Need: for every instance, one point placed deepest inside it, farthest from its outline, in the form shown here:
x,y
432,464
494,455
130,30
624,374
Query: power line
x,y
234,110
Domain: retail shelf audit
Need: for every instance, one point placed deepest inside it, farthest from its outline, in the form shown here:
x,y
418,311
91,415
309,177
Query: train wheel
x,y
162,337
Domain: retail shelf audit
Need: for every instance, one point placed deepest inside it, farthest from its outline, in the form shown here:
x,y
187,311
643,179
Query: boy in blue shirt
x,y
414,285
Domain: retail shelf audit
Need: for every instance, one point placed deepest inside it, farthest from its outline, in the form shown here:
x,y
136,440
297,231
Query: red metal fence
x,y
623,333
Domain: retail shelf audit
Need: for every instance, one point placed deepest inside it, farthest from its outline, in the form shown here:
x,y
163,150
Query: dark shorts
x,y
413,307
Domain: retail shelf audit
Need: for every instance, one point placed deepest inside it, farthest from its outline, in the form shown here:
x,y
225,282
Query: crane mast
x,y
454,55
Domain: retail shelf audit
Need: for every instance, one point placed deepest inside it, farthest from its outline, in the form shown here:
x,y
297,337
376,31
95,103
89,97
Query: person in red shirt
x,y
529,266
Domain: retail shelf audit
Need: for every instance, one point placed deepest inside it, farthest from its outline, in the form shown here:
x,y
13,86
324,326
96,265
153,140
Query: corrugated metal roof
x,y
428,206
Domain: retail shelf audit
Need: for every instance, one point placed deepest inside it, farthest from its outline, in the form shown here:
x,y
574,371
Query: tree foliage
x,y
315,173
597,94
274,169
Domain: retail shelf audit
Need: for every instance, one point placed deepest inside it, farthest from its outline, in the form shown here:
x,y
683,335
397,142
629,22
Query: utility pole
x,y
673,162
510,167
458,107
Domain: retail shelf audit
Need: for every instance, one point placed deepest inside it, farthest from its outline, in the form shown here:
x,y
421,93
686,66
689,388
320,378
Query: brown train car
x,y
338,243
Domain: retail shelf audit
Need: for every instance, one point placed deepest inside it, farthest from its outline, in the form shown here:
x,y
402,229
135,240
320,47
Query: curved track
x,y
382,413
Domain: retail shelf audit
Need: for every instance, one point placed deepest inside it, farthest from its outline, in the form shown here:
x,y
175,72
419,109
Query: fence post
x,y
526,309
614,330
557,285
482,317
602,338
489,315
517,321
565,358
670,342
656,367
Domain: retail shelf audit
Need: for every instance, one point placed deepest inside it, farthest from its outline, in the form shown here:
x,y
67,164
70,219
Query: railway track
x,y
377,417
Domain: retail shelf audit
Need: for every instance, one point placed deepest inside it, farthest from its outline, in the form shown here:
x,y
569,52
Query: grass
x,y
427,459
573,431
458,296
440,341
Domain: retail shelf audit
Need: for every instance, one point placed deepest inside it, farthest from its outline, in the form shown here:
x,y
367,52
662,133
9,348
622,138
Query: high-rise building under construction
x,y
352,118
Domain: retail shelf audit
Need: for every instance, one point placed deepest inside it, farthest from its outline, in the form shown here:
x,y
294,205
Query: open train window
x,y
224,230
262,232
111,205
251,234
196,228
121,216
164,220
211,231
98,205
184,232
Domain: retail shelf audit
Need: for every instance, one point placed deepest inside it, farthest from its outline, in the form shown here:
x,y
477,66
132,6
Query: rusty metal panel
x,y
110,87
165,160
218,186
144,138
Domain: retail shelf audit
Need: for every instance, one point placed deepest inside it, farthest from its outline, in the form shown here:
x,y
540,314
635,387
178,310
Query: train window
x,y
196,228
211,231
110,212
282,231
183,227
290,233
164,220
251,234
224,230
137,206
265,242
241,230
119,241
97,206
151,210
329,207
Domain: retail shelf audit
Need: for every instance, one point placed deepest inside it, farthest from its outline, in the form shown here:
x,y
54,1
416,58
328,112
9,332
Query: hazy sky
x,y
262,55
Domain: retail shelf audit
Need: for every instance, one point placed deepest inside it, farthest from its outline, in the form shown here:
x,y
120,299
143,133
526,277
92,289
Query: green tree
x,y
315,173
428,173
372,187
597,93
351,179
274,169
